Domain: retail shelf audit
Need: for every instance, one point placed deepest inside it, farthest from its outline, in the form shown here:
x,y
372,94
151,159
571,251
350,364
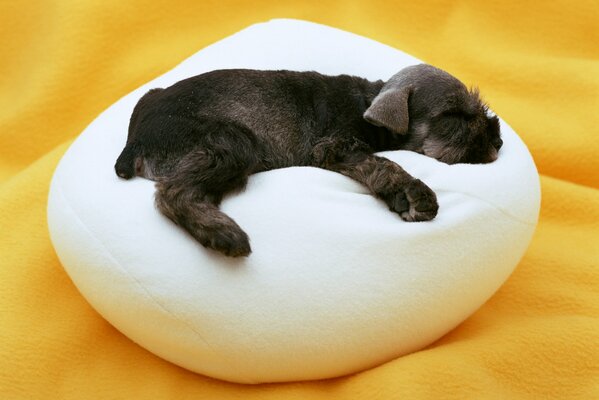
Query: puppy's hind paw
x,y
230,242
415,202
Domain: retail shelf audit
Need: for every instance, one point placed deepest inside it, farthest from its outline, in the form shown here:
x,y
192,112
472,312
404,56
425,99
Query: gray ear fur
x,y
390,110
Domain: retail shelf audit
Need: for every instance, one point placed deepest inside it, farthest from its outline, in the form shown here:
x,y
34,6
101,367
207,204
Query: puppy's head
x,y
438,115
157,135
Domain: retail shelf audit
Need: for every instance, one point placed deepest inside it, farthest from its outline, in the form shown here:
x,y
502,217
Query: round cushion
x,y
336,282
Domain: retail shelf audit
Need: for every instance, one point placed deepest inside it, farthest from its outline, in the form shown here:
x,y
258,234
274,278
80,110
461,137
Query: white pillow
x,y
336,282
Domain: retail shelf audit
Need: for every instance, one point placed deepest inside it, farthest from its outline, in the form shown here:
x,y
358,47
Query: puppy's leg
x,y
191,193
409,197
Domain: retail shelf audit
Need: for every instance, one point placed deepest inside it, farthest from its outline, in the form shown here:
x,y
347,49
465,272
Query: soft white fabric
x,y
336,282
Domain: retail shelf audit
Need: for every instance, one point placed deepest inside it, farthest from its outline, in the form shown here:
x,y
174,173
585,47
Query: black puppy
x,y
200,138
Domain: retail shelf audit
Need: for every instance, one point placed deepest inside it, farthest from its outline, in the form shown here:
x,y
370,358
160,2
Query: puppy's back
x,y
287,110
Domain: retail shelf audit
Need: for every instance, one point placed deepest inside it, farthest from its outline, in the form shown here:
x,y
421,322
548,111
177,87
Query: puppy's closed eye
x,y
459,113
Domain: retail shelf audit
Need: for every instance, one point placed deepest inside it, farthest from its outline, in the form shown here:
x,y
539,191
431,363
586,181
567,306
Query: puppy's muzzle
x,y
497,143
494,151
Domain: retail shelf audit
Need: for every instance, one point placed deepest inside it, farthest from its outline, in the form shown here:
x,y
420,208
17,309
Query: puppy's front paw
x,y
414,202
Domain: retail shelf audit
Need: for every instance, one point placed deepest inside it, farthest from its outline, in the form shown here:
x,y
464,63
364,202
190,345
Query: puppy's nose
x,y
497,143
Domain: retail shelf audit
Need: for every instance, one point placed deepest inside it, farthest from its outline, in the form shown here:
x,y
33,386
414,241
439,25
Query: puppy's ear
x,y
390,109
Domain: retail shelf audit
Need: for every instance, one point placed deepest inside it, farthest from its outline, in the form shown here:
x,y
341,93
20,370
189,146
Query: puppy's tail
x,y
128,162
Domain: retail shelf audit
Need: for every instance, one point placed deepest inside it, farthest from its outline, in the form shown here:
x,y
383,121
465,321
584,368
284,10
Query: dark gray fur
x,y
201,138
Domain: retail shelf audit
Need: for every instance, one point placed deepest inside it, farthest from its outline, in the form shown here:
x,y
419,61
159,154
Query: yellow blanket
x,y
536,63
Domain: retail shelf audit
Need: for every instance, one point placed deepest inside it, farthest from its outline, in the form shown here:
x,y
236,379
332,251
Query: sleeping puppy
x,y
200,138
